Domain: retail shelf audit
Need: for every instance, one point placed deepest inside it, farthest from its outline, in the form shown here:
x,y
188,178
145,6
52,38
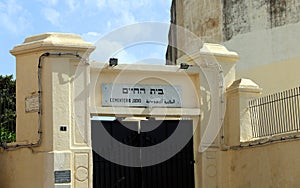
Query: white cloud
x,y
117,5
100,3
94,33
143,42
116,13
126,18
8,24
108,24
49,2
122,12
13,17
53,2
72,5
106,49
52,16
140,3
125,58
91,36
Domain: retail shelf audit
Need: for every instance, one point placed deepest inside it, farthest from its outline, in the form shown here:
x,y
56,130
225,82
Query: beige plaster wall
x,y
22,168
278,76
269,57
271,166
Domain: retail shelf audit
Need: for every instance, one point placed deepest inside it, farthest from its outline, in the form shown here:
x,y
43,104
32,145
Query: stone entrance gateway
x,y
59,90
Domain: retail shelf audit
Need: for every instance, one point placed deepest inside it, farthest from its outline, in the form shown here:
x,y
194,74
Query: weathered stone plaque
x,y
32,104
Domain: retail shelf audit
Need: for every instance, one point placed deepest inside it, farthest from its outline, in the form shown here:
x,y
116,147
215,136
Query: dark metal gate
x,y
177,172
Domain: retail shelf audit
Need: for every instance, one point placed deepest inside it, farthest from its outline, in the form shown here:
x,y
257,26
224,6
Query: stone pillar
x,y
238,123
220,70
217,66
65,144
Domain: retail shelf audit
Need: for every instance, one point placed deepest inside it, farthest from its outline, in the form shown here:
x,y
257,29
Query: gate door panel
x,y
108,174
176,172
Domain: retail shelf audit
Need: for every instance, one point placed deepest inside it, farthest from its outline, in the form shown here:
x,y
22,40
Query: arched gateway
x,y
153,139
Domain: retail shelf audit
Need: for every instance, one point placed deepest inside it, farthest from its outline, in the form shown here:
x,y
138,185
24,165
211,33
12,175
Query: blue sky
x,y
92,19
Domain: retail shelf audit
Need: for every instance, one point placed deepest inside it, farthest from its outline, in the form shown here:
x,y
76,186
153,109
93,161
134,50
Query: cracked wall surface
x,y
221,20
245,16
264,33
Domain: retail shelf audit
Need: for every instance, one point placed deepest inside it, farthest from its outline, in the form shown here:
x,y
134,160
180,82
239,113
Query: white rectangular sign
x,y
141,95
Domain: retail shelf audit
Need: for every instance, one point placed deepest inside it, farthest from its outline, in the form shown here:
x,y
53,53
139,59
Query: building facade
x,y
263,33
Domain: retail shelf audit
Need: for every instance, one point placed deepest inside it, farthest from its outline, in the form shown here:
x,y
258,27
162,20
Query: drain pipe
x,y
6,146
221,101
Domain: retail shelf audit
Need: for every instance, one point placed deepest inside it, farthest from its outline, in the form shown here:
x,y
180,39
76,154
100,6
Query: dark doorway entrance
x,y
176,172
